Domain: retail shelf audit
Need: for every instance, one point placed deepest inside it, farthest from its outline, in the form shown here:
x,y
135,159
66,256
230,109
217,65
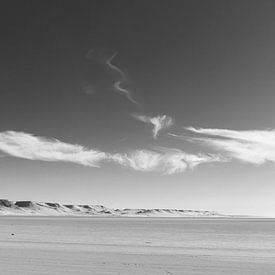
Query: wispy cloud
x,y
27,146
107,61
165,161
253,146
159,122
168,161
123,79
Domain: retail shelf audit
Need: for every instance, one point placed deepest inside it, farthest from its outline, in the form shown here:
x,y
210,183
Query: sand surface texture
x,y
64,245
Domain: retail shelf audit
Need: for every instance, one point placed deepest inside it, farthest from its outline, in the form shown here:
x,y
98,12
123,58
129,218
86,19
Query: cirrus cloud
x,y
28,146
159,122
252,146
165,160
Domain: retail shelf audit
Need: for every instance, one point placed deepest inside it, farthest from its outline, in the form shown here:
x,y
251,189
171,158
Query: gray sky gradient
x,y
208,65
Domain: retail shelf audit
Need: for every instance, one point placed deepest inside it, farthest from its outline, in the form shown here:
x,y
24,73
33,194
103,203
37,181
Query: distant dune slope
x,y
56,209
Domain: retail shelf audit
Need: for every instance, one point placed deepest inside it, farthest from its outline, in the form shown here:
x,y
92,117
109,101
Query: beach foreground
x,y
75,245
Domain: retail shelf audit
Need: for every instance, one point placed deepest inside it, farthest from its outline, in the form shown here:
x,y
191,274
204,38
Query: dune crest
x,y
56,209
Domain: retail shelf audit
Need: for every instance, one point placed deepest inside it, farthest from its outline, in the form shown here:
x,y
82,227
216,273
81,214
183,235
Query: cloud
x,y
165,161
122,79
107,61
27,146
159,122
253,146
168,161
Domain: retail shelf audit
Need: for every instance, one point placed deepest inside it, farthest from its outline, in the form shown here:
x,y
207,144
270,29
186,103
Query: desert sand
x,y
75,245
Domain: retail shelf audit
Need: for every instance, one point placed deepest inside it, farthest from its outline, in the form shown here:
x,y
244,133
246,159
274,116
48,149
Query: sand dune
x,y
56,209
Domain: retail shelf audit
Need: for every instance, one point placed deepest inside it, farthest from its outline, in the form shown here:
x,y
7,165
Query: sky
x,y
139,104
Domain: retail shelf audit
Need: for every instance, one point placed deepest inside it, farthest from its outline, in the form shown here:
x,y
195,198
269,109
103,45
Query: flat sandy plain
x,y
66,245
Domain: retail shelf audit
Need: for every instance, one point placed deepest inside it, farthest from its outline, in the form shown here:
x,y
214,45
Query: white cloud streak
x,y
107,61
252,146
122,79
27,146
165,161
159,122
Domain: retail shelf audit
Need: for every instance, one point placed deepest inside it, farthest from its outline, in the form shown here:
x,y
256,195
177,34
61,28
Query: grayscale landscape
x,y
53,238
137,137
